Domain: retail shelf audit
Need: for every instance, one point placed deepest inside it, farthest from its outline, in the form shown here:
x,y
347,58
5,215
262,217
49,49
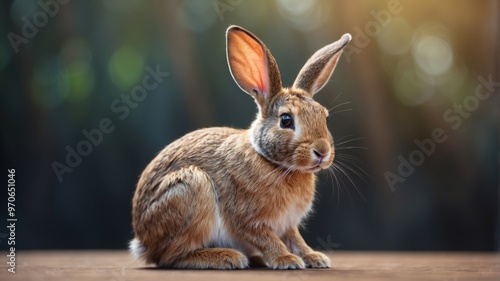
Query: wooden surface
x,y
119,266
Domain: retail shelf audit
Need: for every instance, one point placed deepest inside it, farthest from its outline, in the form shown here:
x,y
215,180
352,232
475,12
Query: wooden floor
x,y
119,266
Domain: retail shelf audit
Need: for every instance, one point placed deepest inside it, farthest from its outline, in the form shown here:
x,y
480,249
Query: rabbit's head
x,y
291,128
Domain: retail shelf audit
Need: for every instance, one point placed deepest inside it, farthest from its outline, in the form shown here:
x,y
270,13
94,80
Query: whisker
x,y
351,147
346,168
348,141
338,168
334,99
337,185
339,105
345,137
274,170
347,156
342,170
290,170
340,111
359,172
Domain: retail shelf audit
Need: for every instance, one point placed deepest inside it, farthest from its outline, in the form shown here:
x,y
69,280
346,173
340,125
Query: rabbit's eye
x,y
286,121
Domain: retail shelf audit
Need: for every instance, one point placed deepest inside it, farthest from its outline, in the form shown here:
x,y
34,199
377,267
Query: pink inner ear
x,y
248,62
262,80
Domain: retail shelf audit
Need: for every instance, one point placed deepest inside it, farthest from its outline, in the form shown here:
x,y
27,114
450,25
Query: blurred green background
x,y
415,69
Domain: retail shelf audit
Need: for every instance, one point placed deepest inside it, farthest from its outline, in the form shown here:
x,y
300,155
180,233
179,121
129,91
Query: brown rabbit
x,y
219,197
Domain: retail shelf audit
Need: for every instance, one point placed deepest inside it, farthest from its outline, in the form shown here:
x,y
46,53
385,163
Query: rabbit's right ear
x,y
318,69
251,64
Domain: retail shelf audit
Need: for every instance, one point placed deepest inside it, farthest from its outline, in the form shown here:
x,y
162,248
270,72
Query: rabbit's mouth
x,y
316,166
313,169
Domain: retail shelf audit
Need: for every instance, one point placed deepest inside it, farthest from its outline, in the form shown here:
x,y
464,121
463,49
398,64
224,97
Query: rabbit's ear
x,y
251,64
318,69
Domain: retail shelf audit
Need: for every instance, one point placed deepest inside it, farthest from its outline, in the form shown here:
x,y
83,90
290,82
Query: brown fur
x,y
257,185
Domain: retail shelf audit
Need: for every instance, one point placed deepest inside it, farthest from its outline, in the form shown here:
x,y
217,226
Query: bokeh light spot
x,y
408,86
455,81
80,80
296,7
433,55
304,15
396,38
126,67
76,71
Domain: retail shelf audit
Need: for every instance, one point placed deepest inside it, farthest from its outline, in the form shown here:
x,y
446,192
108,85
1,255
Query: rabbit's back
x,y
198,148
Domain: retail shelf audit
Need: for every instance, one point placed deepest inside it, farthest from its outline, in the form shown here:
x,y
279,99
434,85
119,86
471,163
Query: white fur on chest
x,y
290,217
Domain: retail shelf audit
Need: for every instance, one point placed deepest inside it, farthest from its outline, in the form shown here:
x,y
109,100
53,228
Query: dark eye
x,y
286,121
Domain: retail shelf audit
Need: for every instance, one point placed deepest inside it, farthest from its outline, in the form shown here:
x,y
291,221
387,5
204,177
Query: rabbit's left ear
x,y
252,66
319,68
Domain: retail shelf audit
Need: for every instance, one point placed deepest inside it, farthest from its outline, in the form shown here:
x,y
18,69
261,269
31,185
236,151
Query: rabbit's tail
x,y
137,249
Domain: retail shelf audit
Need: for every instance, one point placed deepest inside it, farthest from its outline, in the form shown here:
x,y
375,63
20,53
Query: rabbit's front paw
x,y
288,261
316,259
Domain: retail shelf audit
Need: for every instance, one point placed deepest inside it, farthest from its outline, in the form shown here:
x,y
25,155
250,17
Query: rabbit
x,y
225,198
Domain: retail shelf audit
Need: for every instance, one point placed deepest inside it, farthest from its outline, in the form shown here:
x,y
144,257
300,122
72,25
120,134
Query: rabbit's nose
x,y
321,157
318,154
321,149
